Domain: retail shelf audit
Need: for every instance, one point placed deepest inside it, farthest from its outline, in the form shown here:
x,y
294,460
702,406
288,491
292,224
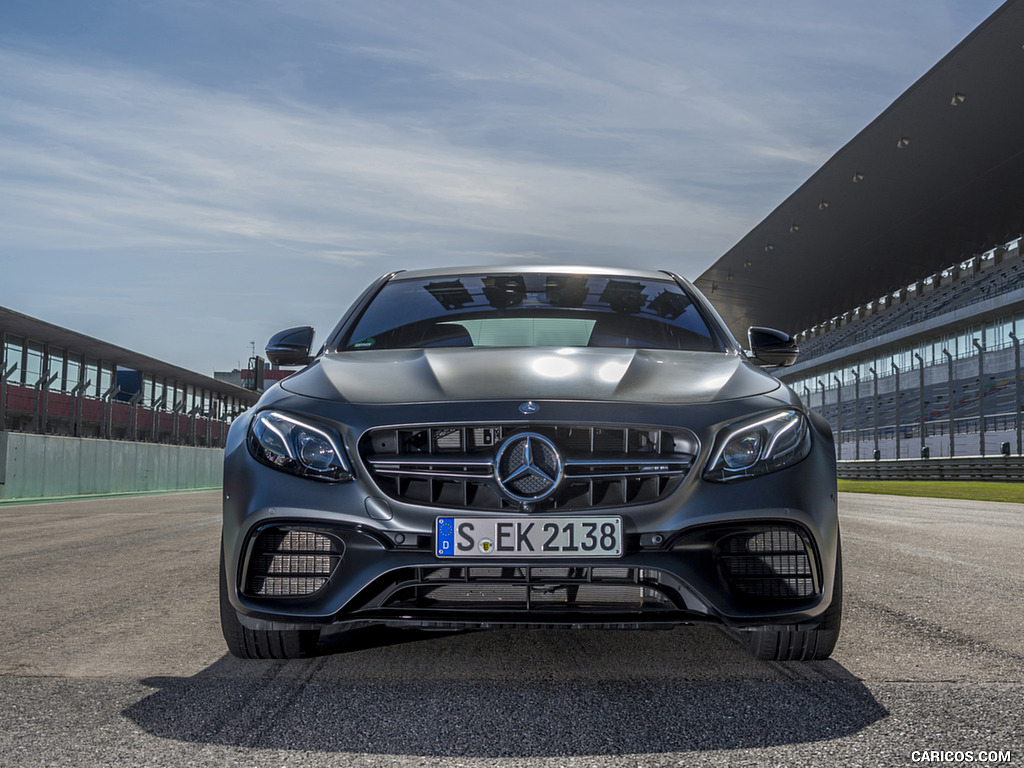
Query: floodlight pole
x,y
154,423
874,408
856,412
133,403
192,422
3,380
41,401
981,394
4,376
839,417
1017,383
952,394
76,393
896,368
176,427
920,368
108,411
209,423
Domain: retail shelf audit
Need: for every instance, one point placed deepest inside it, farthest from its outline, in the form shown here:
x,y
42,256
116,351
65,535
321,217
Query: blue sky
x,y
182,178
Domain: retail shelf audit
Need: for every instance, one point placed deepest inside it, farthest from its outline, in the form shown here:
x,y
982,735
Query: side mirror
x,y
771,347
291,347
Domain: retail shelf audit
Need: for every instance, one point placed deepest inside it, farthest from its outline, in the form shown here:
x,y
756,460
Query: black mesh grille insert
x,y
291,563
772,563
455,466
498,590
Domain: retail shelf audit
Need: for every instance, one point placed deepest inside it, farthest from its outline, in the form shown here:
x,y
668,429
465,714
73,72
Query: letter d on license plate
x,y
524,537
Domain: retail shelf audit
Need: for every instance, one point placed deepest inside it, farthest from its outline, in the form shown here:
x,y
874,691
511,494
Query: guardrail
x,y
999,468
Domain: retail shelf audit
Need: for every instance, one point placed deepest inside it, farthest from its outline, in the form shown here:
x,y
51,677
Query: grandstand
x,y
958,287
957,329
55,381
898,265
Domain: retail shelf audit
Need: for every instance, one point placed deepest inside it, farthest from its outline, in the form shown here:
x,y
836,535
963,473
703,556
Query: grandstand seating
x,y
861,422
972,286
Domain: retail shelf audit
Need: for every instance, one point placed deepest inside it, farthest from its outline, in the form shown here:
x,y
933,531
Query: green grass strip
x,y
939,489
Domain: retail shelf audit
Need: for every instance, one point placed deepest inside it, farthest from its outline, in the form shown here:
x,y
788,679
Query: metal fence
x,y
966,407
41,411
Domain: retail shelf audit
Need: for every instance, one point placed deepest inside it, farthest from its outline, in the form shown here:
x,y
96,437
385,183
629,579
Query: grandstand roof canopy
x,y
937,177
23,326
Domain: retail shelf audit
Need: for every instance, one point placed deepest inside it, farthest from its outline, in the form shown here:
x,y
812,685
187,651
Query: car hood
x,y
573,373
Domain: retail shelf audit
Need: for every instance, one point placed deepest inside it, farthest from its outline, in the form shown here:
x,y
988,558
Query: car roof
x,y
430,274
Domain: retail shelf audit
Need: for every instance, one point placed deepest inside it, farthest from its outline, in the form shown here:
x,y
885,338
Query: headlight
x,y
759,446
300,447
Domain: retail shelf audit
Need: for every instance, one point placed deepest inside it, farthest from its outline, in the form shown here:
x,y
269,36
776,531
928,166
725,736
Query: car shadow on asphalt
x,y
511,694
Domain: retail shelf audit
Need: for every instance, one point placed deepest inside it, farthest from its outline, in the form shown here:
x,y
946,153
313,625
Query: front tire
x,y
803,644
248,643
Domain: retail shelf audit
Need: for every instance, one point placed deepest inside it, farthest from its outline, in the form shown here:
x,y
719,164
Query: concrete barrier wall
x,y
46,466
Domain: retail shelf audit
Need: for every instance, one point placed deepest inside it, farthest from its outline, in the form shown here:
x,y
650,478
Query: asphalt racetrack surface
x,y
111,655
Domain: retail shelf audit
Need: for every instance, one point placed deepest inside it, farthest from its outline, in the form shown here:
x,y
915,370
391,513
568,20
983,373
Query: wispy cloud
x,y
110,159
214,164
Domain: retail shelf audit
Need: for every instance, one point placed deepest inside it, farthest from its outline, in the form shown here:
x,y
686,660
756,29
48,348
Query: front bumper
x,y
680,563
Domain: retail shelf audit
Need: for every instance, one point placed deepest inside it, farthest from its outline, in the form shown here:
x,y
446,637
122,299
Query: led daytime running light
x,y
780,439
283,442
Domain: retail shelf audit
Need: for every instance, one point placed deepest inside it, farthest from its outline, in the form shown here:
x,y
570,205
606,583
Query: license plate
x,y
518,537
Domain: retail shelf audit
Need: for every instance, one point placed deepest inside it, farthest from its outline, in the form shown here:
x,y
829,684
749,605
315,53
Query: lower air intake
x,y
291,563
774,563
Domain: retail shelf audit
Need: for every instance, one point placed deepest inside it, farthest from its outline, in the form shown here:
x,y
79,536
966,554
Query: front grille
x,y
771,563
291,563
529,589
454,466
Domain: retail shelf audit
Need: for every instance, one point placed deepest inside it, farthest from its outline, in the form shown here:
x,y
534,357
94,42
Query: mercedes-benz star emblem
x,y
528,467
528,407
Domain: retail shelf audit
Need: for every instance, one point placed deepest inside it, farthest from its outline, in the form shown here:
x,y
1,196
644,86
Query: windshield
x,y
531,310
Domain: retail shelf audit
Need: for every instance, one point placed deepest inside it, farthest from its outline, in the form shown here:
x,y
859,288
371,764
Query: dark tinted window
x,y
517,310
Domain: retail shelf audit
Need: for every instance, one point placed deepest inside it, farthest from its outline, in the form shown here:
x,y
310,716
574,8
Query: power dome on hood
x,y
617,375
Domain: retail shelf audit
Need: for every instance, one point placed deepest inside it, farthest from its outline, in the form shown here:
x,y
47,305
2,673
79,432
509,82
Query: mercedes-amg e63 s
x,y
530,447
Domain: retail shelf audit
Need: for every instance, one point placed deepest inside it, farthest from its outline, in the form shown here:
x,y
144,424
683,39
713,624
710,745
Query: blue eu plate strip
x,y
446,537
